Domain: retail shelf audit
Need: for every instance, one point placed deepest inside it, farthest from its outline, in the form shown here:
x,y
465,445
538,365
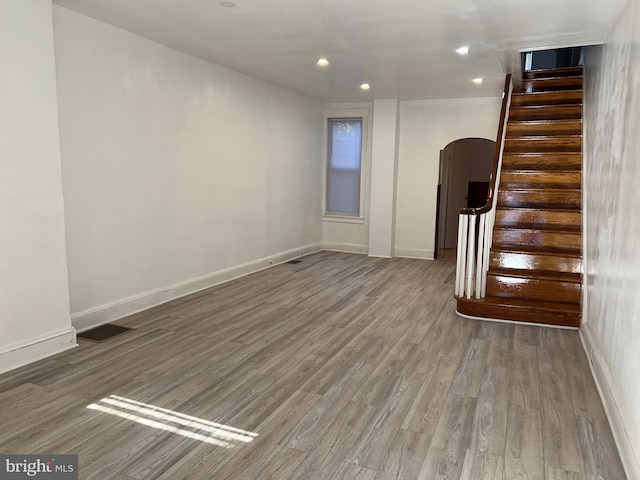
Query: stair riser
x,y
509,312
540,179
552,84
547,98
525,218
533,289
528,261
536,238
566,199
543,144
553,112
542,127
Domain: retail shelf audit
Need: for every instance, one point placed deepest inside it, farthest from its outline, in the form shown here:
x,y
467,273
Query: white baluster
x,y
471,250
487,248
462,251
481,256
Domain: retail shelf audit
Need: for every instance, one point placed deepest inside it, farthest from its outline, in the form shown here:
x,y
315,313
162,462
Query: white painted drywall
x,y
383,178
34,292
611,320
426,127
175,168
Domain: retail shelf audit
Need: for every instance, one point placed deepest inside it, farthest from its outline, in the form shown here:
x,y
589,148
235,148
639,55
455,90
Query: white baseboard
x,y
346,247
626,441
18,355
413,253
102,314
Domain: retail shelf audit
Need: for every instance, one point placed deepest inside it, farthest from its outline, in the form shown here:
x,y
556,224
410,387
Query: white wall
x,y
426,127
384,165
34,293
178,173
611,316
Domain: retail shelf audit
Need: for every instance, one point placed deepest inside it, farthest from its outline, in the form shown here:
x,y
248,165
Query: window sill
x,y
327,217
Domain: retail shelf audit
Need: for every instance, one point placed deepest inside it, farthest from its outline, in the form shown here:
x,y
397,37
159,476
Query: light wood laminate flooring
x,y
339,367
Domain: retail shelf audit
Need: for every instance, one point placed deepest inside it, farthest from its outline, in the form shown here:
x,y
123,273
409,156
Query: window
x,y
344,166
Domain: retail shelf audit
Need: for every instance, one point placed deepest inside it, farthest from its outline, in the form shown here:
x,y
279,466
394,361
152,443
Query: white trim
x,y
515,322
346,247
588,43
418,253
627,444
328,217
102,314
20,354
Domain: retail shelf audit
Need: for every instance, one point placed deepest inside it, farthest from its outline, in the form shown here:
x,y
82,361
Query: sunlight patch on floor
x,y
171,421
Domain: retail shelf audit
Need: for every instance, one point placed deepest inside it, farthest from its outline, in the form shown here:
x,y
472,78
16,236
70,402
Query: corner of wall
x,y
18,355
628,446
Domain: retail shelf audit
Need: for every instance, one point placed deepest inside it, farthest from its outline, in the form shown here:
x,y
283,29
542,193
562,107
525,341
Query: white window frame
x,y
362,113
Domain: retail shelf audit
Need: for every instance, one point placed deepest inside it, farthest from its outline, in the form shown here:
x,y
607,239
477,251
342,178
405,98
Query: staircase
x,y
535,263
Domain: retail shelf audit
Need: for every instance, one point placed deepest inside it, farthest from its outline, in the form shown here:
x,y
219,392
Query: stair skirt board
x,y
516,322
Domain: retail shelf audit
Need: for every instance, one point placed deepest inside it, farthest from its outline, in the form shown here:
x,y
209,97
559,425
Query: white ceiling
x,y
403,48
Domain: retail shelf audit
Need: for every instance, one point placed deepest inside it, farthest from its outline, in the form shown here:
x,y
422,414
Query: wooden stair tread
x,y
519,258
542,160
520,178
533,311
556,126
565,78
527,250
537,274
539,228
533,249
554,107
534,190
552,72
546,112
551,121
540,138
543,143
552,97
552,83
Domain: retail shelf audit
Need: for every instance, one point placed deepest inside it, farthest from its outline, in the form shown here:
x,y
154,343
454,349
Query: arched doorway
x,y
465,170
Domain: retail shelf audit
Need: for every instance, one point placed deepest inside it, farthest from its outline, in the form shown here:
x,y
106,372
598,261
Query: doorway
x,y
463,182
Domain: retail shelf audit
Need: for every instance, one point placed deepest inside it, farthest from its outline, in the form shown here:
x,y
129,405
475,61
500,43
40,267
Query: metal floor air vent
x,y
103,332
294,262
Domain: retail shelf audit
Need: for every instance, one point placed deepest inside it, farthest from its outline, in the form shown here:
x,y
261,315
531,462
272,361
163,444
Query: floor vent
x,y
103,332
294,262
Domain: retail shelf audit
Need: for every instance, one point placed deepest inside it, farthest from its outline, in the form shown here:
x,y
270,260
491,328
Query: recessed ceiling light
x,y
228,4
323,62
365,86
477,81
462,50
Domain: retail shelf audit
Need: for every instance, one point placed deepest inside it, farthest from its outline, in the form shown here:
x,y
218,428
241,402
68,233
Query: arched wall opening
x,y
463,182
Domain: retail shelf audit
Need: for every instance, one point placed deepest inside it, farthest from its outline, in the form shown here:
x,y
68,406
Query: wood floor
x,y
338,367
